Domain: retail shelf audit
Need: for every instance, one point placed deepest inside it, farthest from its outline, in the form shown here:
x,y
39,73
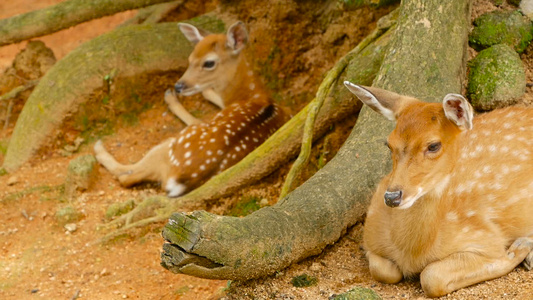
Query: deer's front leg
x,y
463,269
383,269
179,110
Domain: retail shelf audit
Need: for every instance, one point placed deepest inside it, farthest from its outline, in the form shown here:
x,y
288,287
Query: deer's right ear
x,y
191,33
237,37
382,101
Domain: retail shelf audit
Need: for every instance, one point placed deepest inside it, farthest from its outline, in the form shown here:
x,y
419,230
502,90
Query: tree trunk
x,y
126,51
319,212
61,16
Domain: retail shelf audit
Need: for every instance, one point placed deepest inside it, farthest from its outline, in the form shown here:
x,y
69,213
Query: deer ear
x,y
384,102
237,37
458,110
191,33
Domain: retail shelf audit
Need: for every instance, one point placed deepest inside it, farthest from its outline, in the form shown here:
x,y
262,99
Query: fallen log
x,y
61,16
319,212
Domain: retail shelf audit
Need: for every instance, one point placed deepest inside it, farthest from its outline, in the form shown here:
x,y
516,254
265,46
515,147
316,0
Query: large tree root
x,y
125,52
318,213
61,16
284,144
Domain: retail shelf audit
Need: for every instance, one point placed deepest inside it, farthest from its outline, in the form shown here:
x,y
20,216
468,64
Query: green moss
x,y
67,214
496,78
502,27
358,293
117,209
3,146
304,280
209,23
246,206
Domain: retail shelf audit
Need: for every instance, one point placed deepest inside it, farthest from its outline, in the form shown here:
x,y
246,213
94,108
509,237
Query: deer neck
x,y
245,85
423,216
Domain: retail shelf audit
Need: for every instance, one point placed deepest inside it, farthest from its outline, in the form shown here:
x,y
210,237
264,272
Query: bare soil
x,y
294,43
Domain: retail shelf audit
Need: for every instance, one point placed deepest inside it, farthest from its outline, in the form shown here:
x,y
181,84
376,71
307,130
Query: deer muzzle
x,y
393,199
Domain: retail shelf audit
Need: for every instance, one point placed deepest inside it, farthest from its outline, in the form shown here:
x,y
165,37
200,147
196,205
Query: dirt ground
x,y
41,259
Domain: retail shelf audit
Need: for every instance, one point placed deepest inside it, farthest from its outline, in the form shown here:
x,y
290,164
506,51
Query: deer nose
x,y
179,87
393,199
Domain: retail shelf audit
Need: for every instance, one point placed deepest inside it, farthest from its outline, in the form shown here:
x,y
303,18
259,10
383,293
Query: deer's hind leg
x,y
463,269
153,166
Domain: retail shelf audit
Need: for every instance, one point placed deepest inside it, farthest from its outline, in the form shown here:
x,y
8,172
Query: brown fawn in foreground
x,y
457,207
219,70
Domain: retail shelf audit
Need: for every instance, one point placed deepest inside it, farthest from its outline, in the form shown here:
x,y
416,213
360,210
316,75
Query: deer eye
x,y
209,64
434,147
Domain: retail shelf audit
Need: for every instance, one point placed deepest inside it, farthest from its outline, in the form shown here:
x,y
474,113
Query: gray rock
x,y
496,79
526,7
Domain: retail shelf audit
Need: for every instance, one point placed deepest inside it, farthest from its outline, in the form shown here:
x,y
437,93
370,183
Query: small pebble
x,y
71,227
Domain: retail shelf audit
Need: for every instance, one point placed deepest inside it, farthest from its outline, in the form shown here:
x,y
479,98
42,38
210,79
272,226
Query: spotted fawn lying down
x,y
218,69
457,207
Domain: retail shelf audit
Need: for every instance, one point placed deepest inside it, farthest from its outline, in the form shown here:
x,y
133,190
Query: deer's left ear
x,y
458,110
237,37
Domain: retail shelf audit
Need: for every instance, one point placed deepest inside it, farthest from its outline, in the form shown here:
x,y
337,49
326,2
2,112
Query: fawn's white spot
x,y
209,152
214,129
252,86
187,154
187,145
194,175
220,152
470,213
452,216
188,162
256,96
237,149
212,140
180,139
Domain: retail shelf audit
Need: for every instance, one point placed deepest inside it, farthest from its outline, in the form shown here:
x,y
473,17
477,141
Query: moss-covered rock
x,y
358,293
502,27
67,214
81,174
497,78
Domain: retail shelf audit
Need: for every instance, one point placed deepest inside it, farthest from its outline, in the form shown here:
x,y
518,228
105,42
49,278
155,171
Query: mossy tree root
x,y
318,212
61,16
124,52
